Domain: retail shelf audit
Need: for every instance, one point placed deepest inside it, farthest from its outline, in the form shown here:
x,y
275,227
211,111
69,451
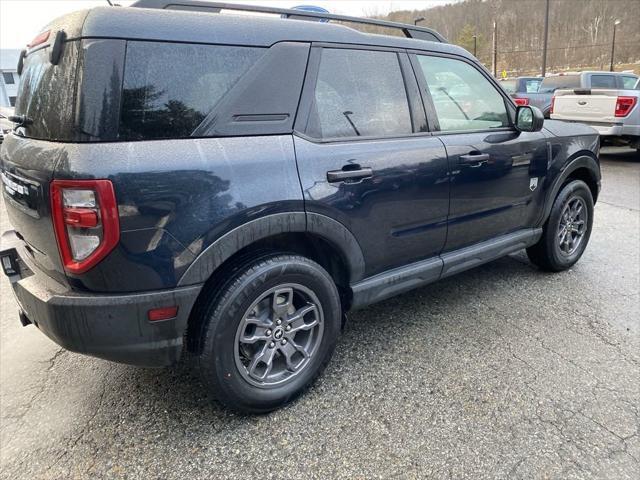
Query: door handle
x,y
474,160
342,175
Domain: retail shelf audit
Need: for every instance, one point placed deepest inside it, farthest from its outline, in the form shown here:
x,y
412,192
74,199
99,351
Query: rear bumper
x,y
631,130
603,129
112,327
617,130
607,129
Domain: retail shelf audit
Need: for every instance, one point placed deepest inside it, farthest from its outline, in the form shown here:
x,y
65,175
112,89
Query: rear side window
x,y
170,88
603,81
629,82
463,98
359,93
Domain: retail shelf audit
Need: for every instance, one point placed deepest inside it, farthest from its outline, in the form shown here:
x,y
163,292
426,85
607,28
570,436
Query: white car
x,y
615,114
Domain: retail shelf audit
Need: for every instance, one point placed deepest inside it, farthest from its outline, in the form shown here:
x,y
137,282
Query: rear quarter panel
x,y
175,197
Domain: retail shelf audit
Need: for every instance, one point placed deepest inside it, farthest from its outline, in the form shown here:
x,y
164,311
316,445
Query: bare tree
x,y
580,31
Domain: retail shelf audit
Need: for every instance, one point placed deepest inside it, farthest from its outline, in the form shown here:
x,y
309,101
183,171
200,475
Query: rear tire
x,y
567,230
269,333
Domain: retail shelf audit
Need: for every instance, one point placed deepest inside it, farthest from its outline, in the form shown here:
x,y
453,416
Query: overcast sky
x,y
21,20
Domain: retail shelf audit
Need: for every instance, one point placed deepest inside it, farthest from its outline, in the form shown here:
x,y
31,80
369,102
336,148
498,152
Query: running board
x,y
402,279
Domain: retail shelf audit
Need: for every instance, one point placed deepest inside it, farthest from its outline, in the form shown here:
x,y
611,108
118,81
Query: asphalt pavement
x,y
500,372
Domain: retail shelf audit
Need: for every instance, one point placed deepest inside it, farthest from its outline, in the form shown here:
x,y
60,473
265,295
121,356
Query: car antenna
x,y
112,4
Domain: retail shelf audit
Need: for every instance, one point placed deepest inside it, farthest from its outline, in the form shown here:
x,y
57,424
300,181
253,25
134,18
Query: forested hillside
x,y
580,31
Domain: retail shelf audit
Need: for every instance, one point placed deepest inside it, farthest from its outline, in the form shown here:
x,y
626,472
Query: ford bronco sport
x,y
181,180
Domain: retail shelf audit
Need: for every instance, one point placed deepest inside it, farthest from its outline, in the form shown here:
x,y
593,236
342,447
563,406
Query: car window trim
x,y
432,117
308,90
429,106
414,96
370,138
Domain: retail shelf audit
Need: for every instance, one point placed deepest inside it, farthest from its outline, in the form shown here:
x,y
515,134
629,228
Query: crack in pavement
x,y
72,444
41,387
557,405
623,207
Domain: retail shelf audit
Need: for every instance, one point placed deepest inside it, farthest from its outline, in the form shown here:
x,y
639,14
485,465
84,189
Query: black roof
x,y
299,13
204,27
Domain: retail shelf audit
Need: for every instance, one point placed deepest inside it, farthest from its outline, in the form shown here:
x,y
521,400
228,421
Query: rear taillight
x,y
85,220
624,105
39,39
521,102
553,101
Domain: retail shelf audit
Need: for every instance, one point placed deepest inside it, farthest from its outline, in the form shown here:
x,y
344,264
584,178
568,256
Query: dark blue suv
x,y
182,180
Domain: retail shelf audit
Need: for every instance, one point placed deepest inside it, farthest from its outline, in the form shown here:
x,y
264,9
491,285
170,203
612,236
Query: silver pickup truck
x,y
584,80
615,114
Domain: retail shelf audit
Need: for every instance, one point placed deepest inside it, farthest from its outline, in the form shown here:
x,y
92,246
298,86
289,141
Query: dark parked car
x,y
520,87
230,186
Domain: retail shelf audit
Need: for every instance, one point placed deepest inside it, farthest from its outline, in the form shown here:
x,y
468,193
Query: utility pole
x,y
475,46
495,49
613,43
546,38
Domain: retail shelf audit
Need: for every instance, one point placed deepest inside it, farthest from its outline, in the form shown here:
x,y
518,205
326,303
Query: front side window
x,y
603,81
170,88
463,98
359,93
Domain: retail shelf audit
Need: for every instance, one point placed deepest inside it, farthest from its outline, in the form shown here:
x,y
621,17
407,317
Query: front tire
x,y
567,230
269,333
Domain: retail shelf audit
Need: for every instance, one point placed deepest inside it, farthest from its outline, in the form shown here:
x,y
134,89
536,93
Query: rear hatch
x,y
26,168
29,155
591,106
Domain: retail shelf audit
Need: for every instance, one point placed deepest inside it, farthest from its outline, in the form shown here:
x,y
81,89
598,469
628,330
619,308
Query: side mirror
x,y
529,119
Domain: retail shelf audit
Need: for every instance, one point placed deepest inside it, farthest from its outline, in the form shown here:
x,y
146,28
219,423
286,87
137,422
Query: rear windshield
x,y
46,94
603,81
170,88
532,85
551,84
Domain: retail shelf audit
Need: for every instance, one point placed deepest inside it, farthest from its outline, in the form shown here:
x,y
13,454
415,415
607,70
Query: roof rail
x,y
410,31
